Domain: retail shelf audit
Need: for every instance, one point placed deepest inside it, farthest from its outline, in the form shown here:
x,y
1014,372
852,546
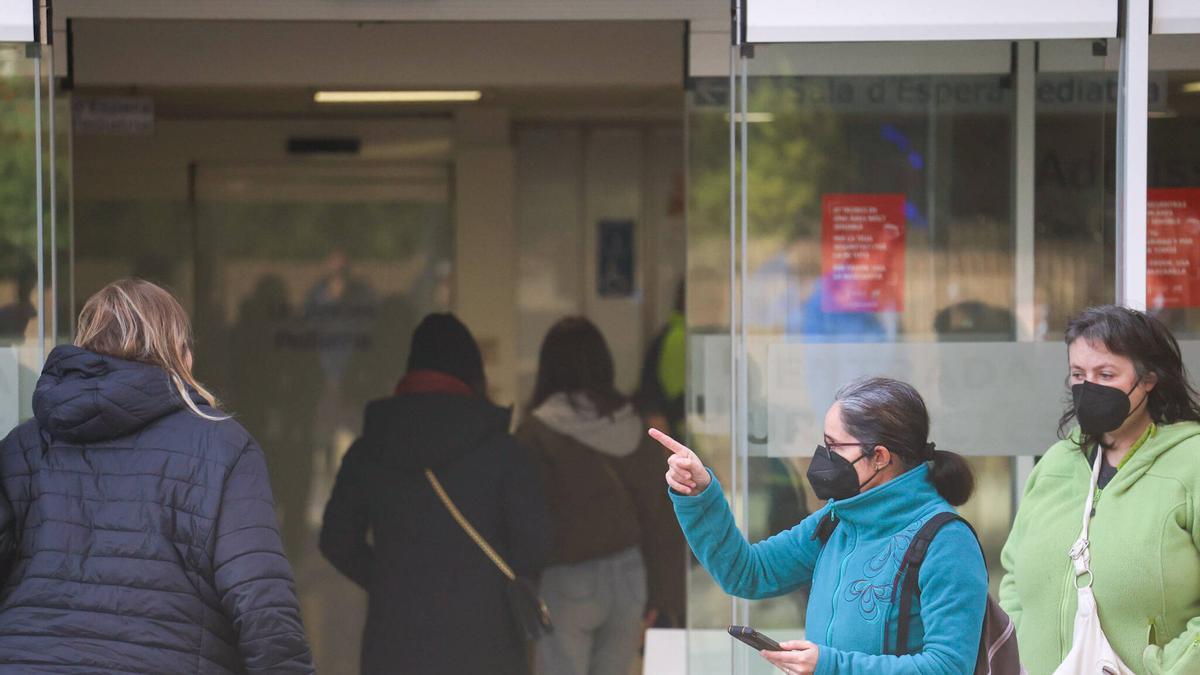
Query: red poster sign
x,y
1173,248
862,252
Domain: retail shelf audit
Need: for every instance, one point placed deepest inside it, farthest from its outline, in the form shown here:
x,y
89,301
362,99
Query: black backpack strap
x,y
825,528
910,568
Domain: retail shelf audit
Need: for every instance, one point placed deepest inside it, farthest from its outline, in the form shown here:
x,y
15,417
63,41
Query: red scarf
x,y
432,382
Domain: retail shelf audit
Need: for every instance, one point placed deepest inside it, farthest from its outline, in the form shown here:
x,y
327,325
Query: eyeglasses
x,y
831,445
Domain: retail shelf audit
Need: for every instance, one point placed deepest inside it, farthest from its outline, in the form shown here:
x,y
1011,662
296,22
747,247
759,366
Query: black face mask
x,y
833,476
1100,408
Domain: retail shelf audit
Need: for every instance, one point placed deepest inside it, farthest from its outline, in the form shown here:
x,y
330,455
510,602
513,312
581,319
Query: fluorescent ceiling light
x,y
753,118
397,96
1191,88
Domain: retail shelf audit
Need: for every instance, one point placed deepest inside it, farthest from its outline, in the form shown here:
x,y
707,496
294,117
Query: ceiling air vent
x,y
298,145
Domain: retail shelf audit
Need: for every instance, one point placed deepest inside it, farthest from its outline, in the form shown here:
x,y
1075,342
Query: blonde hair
x,y
136,320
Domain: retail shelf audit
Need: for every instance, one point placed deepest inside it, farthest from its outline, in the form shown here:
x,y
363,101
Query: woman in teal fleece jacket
x,y
883,481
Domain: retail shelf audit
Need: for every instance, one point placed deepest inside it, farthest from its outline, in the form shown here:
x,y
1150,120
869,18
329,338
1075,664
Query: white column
x,y
1024,175
485,235
1024,182
36,51
1132,109
52,181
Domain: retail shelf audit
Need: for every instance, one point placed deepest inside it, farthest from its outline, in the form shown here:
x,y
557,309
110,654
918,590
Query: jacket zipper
x,y
837,586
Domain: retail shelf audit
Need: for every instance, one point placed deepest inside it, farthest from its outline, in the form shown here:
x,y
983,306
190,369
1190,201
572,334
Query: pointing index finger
x,y
669,443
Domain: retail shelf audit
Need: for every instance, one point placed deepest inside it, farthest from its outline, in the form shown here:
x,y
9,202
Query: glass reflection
x,y
24,78
881,210
305,282
1173,167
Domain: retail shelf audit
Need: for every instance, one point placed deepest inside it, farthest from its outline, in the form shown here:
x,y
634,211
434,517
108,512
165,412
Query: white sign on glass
x,y
16,21
710,406
875,21
114,115
1175,16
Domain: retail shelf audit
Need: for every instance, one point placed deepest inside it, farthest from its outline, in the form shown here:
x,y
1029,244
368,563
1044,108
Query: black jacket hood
x,y
84,397
421,431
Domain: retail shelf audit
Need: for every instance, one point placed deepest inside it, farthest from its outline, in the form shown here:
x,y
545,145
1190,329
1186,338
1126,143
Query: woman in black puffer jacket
x,y
146,531
438,604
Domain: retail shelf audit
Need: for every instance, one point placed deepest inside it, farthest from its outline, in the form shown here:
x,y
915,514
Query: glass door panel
x,y
925,211
34,232
309,279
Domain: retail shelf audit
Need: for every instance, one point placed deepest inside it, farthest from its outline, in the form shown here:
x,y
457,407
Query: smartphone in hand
x,y
754,638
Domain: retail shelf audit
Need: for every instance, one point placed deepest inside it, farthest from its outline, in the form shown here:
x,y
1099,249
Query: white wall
x,y
398,10
16,21
346,54
117,46
551,282
486,243
569,178
526,207
156,165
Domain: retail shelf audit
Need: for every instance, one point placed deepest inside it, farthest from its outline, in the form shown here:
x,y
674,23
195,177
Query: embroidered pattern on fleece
x,y
871,593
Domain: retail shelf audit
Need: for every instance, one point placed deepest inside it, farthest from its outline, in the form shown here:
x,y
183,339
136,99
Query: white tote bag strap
x,y
1080,554
1090,650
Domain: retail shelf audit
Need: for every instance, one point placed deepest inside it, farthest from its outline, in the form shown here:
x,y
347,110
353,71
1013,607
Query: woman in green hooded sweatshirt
x,y
1130,401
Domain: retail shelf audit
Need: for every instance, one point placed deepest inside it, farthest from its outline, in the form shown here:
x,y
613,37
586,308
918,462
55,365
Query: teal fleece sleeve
x,y
774,566
953,595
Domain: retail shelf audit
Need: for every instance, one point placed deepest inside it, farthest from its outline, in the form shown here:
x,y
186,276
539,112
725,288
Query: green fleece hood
x,y
1162,439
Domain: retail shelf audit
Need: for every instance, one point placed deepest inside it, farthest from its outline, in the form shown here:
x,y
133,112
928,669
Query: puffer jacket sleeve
x,y
251,574
8,538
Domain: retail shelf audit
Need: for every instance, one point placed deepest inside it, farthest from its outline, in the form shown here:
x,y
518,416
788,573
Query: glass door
x,y
930,211
35,233
1173,174
309,279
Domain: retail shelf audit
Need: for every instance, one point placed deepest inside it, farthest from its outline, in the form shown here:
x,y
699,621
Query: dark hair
x,y
1149,344
575,360
443,343
879,411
